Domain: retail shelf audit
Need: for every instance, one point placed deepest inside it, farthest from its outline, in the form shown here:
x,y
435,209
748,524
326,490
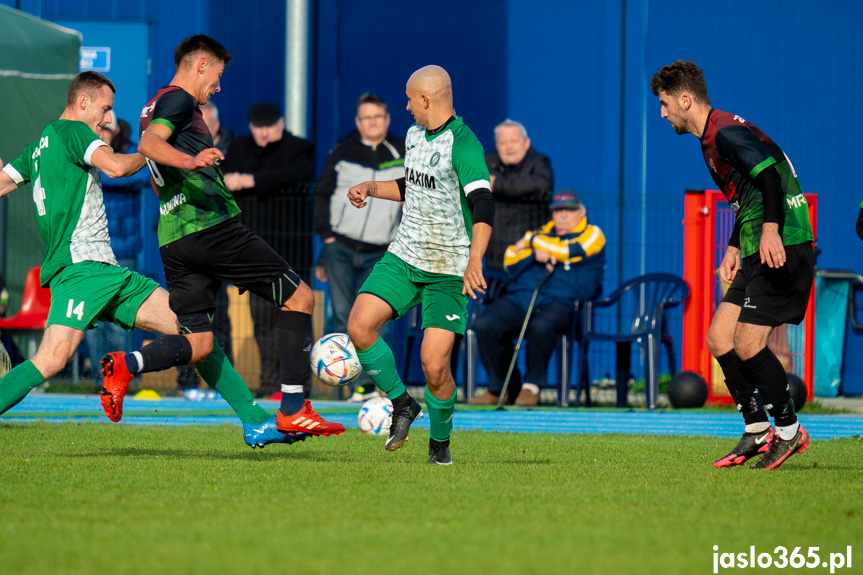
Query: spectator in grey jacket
x,y
521,182
355,240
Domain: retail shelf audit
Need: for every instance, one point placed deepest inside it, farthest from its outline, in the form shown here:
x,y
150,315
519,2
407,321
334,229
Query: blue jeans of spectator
x,y
347,269
497,328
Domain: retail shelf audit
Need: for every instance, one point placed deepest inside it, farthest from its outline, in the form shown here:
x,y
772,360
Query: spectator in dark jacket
x,y
271,159
262,170
575,252
521,182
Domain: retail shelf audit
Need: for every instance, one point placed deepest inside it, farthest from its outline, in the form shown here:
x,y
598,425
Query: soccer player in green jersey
x,y
65,166
435,259
769,262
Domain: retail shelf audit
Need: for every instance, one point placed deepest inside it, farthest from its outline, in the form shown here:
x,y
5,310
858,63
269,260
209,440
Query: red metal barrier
x,y
707,224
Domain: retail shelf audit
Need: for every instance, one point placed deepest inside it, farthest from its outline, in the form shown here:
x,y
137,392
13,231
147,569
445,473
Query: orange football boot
x,y
308,421
115,384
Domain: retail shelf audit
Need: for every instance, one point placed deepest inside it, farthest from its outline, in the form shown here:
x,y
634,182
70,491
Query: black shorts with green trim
x,y
773,296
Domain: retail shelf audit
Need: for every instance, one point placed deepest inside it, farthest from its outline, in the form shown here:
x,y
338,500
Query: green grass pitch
x,y
113,499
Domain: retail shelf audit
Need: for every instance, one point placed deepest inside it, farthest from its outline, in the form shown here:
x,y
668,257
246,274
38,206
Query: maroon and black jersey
x,y
189,201
736,152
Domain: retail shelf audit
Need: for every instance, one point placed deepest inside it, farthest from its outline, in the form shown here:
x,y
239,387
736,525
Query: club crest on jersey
x,y
420,179
434,159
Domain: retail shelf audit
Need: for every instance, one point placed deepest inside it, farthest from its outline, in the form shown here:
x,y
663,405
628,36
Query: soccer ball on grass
x,y
334,360
376,416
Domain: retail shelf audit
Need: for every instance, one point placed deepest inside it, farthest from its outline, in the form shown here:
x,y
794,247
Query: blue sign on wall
x,y
97,59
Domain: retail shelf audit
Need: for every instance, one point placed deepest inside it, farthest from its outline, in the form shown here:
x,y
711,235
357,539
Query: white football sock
x,y
140,359
787,433
757,427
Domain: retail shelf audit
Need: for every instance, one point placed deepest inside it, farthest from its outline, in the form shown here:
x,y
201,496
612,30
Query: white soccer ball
x,y
334,360
376,415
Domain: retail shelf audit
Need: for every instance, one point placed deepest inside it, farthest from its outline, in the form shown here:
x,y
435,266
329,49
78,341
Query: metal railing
x,y
286,221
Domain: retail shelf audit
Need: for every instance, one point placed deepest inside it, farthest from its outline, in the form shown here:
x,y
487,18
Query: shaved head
x,y
432,81
429,92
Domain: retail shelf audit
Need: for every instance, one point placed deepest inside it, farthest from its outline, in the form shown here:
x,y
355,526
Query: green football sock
x,y
440,415
380,364
219,374
16,384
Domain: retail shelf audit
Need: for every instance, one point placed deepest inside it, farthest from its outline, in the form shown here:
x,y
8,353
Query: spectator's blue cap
x,y
566,198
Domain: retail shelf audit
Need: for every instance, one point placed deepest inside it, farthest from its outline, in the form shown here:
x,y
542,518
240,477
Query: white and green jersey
x,y
440,171
67,193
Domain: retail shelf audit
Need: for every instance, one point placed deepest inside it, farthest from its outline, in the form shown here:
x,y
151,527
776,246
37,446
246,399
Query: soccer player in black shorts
x,y
769,262
203,245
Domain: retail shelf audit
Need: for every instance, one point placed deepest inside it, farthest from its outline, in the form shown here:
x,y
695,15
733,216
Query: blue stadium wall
x,y
576,74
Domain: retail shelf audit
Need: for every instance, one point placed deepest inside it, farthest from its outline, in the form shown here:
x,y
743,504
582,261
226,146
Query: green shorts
x,y
403,286
87,291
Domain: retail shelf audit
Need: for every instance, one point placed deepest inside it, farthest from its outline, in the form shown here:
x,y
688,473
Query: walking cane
x,y
502,397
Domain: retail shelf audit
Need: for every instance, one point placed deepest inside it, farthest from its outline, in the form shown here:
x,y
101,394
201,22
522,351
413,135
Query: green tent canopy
x,y
38,61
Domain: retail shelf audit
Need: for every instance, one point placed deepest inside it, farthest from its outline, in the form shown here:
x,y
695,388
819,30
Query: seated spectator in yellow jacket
x,y
573,252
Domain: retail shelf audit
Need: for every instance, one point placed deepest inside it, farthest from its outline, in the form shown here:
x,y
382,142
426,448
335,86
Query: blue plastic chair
x,y
644,301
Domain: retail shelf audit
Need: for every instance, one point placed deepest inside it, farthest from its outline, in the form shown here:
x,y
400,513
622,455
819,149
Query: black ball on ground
x,y
797,389
687,389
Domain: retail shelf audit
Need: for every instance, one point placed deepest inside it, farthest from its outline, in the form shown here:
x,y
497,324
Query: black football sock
x,y
162,353
294,342
766,370
742,390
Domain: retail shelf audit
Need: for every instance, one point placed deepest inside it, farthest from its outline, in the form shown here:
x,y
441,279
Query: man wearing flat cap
x,y
271,158
259,167
573,253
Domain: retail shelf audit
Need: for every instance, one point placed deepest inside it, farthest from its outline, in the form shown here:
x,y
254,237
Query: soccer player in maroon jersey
x,y
203,245
769,262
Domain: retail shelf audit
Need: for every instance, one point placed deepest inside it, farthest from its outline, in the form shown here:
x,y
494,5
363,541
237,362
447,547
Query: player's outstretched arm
x,y
388,190
117,165
154,145
7,184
